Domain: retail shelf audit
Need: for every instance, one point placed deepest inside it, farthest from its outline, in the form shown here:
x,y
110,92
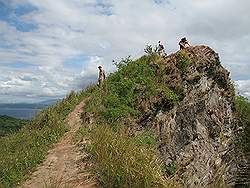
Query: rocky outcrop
x,y
196,136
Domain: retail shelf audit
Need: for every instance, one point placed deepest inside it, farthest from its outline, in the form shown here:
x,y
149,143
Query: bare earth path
x,y
64,165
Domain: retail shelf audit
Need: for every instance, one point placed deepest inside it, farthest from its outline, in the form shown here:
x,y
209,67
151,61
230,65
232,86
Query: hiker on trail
x,y
184,43
161,50
102,76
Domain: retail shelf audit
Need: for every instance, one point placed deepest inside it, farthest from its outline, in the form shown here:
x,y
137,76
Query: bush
x,y
183,61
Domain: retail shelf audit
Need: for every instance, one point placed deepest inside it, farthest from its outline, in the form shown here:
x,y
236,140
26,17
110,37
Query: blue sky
x,y
48,48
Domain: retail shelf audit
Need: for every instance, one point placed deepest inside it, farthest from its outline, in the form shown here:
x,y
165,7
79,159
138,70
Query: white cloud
x,y
244,87
106,30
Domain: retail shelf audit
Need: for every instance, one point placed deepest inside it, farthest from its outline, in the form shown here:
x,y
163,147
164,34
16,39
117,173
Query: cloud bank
x,y
48,48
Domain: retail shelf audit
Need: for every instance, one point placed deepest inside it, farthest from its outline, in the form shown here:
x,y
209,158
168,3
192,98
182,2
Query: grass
x,y
183,61
57,182
21,152
9,125
122,161
129,92
243,112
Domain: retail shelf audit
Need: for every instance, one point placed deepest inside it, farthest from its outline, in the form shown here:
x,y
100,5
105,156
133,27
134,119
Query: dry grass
x,y
124,162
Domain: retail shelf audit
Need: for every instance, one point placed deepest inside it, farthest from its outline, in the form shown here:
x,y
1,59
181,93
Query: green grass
x,y
125,162
21,152
183,61
10,125
243,112
130,92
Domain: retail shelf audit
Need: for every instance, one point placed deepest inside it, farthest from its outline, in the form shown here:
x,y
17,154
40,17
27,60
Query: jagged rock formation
x,y
198,133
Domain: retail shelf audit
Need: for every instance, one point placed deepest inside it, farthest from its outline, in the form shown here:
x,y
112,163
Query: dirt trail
x,y
64,165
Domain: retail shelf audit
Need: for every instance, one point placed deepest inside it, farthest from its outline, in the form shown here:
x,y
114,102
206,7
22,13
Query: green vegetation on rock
x,y
131,91
183,60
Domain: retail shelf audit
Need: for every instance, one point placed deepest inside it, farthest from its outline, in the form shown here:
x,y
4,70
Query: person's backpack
x,y
161,47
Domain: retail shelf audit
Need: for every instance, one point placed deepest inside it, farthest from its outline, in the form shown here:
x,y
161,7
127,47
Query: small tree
x,y
149,50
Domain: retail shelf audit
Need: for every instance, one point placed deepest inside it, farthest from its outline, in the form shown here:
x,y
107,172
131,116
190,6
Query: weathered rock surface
x,y
197,134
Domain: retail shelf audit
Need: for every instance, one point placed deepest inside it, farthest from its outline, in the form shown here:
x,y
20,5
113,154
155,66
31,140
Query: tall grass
x,y
243,112
125,162
21,152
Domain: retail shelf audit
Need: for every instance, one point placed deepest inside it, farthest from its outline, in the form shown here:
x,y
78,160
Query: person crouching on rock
x,y
102,76
184,43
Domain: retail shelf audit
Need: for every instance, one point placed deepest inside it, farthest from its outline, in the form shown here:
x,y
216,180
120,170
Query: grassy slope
x,y
123,159
9,125
24,150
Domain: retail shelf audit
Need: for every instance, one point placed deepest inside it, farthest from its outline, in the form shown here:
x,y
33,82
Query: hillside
x,y
10,125
23,151
155,122
24,110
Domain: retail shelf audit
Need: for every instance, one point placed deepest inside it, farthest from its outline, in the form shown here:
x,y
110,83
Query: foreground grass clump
x,y
22,151
125,162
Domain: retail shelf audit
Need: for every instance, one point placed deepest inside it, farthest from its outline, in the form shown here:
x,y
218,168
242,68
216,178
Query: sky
x,y
48,48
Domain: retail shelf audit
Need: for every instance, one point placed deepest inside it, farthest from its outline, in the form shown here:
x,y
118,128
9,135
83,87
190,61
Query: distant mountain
x,y
23,105
24,110
38,105
10,125
49,102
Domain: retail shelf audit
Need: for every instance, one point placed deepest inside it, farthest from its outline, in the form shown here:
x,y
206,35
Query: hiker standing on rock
x,y
184,43
161,50
102,75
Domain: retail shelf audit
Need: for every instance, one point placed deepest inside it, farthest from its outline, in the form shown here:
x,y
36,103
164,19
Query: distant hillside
x,y
9,125
27,105
24,110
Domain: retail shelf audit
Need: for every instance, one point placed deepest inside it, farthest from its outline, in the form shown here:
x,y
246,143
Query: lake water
x,y
21,113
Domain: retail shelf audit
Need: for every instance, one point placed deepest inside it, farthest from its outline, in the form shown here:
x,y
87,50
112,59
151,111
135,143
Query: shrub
x,y
183,61
149,50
